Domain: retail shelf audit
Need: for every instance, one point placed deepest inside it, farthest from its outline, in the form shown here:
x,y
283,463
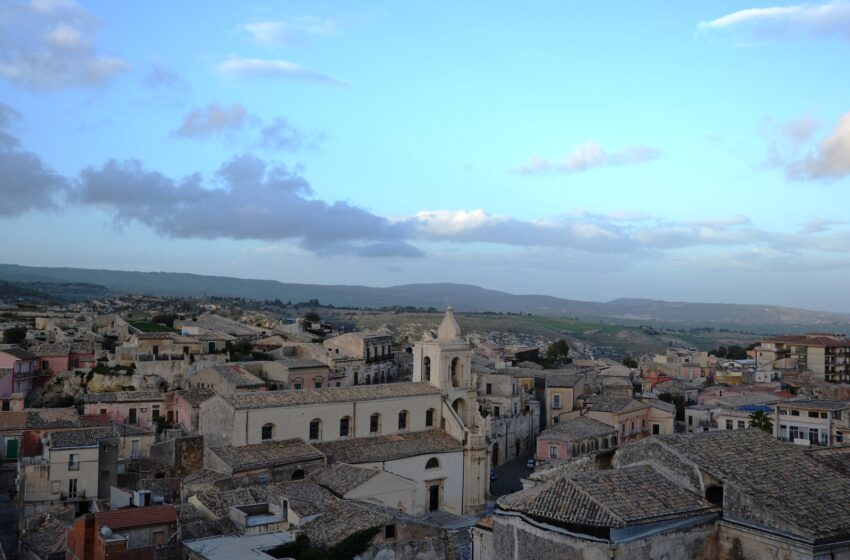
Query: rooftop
x,y
614,498
818,405
86,437
827,341
390,447
124,396
196,395
128,518
266,454
573,429
602,403
268,399
236,375
19,353
243,547
781,478
46,540
342,478
835,458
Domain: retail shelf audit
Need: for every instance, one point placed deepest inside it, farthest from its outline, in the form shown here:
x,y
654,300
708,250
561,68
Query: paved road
x,y
509,475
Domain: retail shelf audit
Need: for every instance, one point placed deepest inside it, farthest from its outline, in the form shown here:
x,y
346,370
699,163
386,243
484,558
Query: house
x,y
59,357
374,348
185,409
513,415
826,355
818,422
573,438
138,532
562,389
631,418
226,379
352,482
19,368
138,408
68,466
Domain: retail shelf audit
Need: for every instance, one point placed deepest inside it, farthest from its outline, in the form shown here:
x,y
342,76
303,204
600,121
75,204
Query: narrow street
x,y
509,476
8,525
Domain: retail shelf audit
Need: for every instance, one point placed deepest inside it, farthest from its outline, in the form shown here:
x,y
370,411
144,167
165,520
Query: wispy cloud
x,y
211,120
830,19
161,76
295,32
588,156
828,159
50,45
259,68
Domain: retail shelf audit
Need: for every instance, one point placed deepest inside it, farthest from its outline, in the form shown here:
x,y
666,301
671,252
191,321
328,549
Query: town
x,y
194,434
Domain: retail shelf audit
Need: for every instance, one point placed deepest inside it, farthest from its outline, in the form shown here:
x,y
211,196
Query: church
x,y
428,431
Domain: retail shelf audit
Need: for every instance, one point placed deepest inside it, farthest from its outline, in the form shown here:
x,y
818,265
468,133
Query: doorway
x,y
434,497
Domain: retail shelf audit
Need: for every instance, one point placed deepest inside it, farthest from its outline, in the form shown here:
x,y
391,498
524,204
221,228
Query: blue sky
x,y
693,151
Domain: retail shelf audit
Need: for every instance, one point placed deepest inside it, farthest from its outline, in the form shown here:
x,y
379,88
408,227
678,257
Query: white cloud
x,y
272,69
830,19
828,160
211,120
272,33
587,156
50,45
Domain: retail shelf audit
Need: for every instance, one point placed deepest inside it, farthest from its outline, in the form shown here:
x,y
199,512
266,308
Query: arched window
x,y
375,423
427,365
714,494
317,382
454,372
267,432
297,475
429,417
433,463
315,429
344,425
402,420
297,383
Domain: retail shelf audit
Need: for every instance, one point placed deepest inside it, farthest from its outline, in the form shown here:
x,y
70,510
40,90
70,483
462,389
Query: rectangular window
x,y
489,389
556,401
343,427
795,413
318,384
813,414
555,419
155,412
72,487
656,429
496,411
402,420
132,416
159,537
728,424
374,424
73,462
429,417
297,386
314,430
103,411
389,532
741,424
836,415
823,414
553,451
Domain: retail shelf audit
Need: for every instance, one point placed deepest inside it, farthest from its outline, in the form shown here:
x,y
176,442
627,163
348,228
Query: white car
x,y
530,464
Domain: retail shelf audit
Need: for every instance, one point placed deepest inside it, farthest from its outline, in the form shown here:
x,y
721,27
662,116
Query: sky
x,y
686,151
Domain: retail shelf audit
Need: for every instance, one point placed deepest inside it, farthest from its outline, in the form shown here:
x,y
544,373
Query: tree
x,y
760,419
312,316
14,335
557,353
630,362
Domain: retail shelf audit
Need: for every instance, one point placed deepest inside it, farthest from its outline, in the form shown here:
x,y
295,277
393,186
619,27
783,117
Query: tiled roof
x,y
51,349
40,418
342,478
47,540
19,353
614,498
344,519
124,396
269,399
782,479
390,447
86,437
579,428
13,420
301,363
236,375
563,379
196,395
809,340
818,405
835,458
662,405
602,403
128,518
267,454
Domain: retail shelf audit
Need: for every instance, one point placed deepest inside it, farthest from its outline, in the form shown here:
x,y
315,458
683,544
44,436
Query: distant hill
x,y
463,297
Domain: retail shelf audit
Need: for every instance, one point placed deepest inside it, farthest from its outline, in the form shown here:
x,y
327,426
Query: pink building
x,y
18,370
185,409
137,408
573,438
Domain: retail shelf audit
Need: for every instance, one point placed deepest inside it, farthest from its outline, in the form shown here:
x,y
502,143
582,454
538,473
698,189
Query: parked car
x,y
530,464
493,475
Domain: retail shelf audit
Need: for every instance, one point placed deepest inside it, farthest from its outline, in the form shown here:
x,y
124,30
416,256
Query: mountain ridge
x,y
464,297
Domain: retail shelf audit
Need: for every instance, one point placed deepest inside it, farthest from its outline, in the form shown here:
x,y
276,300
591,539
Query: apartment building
x,y
826,355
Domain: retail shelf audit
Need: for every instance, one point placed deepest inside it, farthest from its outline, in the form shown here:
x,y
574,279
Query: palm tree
x,y
760,419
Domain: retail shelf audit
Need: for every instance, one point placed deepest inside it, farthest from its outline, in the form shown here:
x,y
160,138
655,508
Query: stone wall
x,y
185,455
